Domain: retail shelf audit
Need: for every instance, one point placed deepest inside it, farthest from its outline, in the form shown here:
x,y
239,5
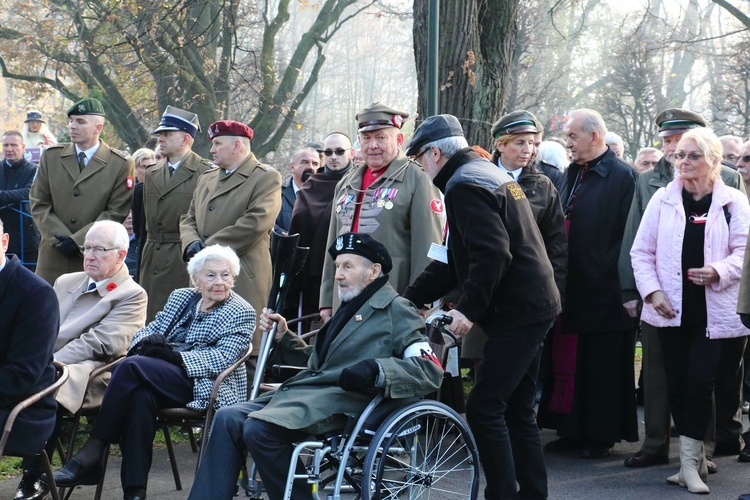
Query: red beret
x,y
228,127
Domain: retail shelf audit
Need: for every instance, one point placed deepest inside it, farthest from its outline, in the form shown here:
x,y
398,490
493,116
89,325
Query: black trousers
x,y
139,387
691,364
500,412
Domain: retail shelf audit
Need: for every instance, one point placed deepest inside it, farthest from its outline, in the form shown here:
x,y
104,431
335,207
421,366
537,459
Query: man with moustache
x,y
236,205
78,183
390,198
167,193
305,162
672,124
16,176
312,216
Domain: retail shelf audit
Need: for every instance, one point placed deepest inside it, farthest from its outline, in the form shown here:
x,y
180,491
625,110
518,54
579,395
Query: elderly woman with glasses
x,y
687,260
172,362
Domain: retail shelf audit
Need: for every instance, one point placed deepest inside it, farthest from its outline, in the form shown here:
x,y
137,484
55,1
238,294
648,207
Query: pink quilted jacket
x,y
657,256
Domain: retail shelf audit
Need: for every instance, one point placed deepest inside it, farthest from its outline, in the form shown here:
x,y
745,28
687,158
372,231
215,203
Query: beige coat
x,y
95,328
165,200
67,202
407,229
238,211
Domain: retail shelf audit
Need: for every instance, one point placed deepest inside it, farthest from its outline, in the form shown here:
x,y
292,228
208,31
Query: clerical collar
x,y
88,152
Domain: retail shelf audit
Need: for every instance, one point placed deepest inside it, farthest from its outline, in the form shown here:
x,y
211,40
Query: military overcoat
x,y
66,201
165,200
401,209
238,210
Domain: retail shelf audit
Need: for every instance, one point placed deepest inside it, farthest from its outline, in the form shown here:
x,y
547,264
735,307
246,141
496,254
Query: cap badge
x,y
339,243
81,108
669,115
397,120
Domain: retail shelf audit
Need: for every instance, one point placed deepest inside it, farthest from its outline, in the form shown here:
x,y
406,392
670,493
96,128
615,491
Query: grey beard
x,y
351,292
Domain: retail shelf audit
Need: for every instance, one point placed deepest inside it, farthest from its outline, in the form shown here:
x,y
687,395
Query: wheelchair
x,y
411,448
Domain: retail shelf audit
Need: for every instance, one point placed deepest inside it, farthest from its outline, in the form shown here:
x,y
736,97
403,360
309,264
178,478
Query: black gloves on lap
x,y
193,249
360,377
153,339
162,351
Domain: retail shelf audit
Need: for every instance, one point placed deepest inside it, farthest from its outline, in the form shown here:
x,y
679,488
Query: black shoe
x,y
643,459
744,455
134,497
596,450
32,487
74,474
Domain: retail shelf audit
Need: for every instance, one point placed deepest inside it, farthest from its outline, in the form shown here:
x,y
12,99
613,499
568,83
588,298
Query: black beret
x,y
363,245
432,129
675,121
517,122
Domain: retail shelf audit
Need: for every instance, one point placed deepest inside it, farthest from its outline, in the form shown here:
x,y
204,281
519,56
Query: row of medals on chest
x,y
381,197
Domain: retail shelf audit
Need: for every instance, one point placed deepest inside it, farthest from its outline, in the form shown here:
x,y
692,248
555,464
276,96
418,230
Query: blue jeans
x,y
500,412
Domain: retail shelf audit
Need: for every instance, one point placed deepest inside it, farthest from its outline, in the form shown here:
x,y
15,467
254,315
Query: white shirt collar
x,y
514,173
88,152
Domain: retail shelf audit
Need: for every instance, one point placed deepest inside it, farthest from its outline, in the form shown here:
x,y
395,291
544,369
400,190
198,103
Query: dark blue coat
x,y
288,197
15,183
597,217
29,320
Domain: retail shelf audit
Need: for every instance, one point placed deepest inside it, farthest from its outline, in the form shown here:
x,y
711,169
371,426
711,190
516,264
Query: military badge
x,y
339,243
436,206
397,120
129,182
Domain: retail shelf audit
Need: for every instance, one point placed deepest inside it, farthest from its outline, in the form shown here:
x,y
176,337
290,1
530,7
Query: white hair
x,y
120,238
553,153
213,253
448,146
613,138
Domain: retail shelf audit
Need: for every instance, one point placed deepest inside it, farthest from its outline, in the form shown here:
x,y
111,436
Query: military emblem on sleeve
x,y
516,191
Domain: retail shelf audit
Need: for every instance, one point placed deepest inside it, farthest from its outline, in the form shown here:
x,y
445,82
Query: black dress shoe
x,y
134,497
596,450
643,459
32,487
744,455
74,474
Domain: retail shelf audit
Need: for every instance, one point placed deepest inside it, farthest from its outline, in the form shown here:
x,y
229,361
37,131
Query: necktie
x,y
92,286
171,170
81,161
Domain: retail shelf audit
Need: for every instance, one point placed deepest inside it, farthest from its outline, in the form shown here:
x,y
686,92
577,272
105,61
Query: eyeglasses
x,y
97,251
338,151
745,159
680,155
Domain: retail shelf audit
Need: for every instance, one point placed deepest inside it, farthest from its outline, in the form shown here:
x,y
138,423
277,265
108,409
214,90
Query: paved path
x,y
569,477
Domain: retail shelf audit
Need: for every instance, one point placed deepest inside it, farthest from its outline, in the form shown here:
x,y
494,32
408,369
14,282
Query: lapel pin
x,y
358,317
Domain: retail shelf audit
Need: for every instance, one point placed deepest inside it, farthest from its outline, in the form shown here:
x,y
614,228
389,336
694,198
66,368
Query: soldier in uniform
x,y
77,184
167,193
236,205
389,197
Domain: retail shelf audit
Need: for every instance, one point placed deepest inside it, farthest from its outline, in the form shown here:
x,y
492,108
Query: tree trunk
x,y
477,39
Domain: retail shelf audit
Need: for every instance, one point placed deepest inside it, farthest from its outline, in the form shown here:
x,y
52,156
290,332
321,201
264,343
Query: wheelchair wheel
x,y
423,450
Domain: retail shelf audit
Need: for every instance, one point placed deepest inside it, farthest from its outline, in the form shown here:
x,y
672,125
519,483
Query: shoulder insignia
x,y
122,154
59,145
206,162
265,167
515,190
436,205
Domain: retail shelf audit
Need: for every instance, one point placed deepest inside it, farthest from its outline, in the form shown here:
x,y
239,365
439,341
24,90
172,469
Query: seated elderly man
x,y
375,341
100,310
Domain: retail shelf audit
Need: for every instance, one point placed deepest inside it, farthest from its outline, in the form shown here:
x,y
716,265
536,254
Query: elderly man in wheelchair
x,y
374,343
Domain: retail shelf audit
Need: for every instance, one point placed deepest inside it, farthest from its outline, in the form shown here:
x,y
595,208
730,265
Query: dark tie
x,y
92,286
81,161
171,170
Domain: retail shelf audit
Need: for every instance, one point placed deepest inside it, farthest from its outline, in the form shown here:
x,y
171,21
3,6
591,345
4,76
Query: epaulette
x,y
207,162
59,145
122,154
265,167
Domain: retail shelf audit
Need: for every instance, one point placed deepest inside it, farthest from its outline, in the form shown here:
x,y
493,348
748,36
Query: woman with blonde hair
x,y
687,259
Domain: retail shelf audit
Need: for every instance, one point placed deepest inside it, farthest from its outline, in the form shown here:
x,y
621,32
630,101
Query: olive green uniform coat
x,y
165,200
238,211
381,329
407,229
67,201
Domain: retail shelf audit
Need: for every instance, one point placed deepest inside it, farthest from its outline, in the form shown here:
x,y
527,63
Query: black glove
x,y
192,249
360,377
67,246
745,318
153,339
164,352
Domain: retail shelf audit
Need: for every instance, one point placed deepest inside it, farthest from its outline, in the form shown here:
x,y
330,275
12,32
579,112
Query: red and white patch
x,y
422,350
130,182
436,206
397,120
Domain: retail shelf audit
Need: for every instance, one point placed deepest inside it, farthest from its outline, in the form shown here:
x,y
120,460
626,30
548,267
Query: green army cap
x,y
88,106
675,121
517,122
376,116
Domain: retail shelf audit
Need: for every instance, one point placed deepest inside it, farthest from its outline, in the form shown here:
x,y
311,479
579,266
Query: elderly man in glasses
x,y
305,162
743,162
311,217
100,310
